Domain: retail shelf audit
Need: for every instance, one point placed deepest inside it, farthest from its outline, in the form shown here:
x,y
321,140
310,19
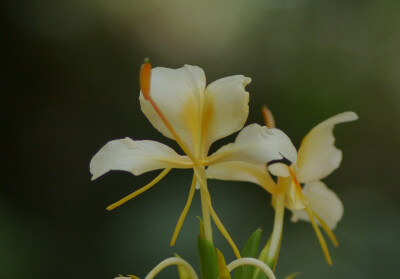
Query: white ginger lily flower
x,y
182,108
317,158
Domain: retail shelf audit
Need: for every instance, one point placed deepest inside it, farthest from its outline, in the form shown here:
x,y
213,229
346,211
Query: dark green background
x,y
70,84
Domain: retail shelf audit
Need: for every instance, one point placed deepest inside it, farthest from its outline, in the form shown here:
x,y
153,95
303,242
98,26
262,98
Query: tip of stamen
x,y
145,75
268,117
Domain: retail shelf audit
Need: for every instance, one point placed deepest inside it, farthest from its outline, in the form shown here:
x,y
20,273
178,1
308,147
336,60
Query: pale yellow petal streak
x,y
327,230
203,186
184,212
141,190
319,236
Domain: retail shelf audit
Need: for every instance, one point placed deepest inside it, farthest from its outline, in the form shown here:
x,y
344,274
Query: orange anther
x,y
145,75
268,117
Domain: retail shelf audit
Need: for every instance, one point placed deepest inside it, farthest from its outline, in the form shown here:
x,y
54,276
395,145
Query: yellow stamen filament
x,y
296,182
215,218
327,230
184,212
268,118
319,236
145,77
141,190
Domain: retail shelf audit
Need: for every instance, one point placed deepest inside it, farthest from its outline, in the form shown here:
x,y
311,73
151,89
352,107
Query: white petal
x,y
318,156
242,171
177,93
323,201
225,108
279,169
257,145
136,157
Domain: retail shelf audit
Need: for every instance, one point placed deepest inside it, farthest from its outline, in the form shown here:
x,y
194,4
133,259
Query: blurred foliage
x,y
70,84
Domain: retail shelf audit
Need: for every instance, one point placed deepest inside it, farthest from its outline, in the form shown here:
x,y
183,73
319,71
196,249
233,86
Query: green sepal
x,y
183,274
207,256
249,250
223,269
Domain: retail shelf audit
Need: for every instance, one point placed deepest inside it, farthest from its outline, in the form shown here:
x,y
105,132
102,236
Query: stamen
x,y
217,221
327,230
141,190
268,117
222,229
145,77
297,184
184,212
319,236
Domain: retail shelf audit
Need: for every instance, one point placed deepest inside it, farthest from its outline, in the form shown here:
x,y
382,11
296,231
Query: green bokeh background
x,y
70,84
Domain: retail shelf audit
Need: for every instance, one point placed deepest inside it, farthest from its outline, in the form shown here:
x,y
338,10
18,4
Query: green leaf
x,y
208,259
223,270
249,250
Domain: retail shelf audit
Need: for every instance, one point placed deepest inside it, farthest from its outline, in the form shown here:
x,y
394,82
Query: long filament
x,y
184,212
141,190
214,216
319,236
327,230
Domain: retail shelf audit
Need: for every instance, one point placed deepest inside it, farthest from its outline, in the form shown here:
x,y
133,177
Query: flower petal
x,y
177,93
225,108
242,171
323,201
257,145
136,157
318,156
279,169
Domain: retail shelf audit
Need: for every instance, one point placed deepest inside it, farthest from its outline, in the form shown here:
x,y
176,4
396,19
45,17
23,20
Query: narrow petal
x,y
225,108
257,145
136,157
177,93
318,156
323,201
242,171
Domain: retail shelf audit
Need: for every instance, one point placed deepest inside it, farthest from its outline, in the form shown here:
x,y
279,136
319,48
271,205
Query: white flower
x,y
182,108
317,158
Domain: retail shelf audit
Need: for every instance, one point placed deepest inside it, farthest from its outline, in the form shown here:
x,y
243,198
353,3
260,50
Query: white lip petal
x,y
318,156
135,157
178,94
323,201
225,108
241,171
279,169
257,145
